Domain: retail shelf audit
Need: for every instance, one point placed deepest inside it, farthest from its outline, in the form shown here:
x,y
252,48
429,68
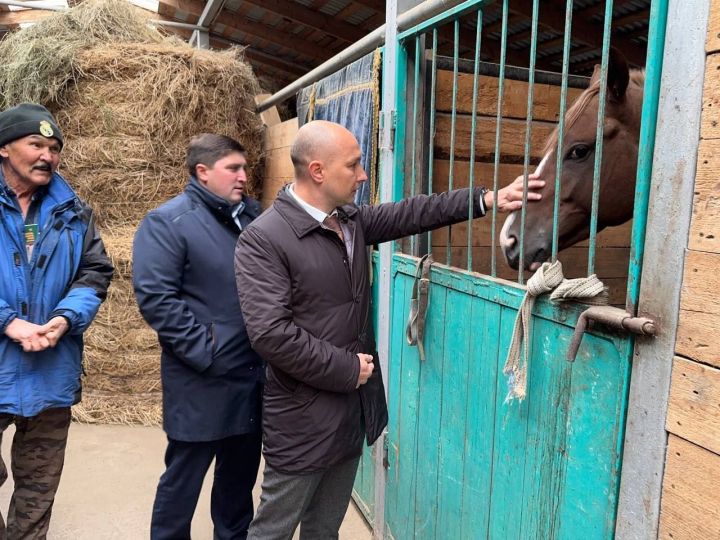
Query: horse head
x,y
617,174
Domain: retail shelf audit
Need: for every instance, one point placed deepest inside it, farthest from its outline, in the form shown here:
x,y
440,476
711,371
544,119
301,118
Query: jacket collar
x,y
218,205
57,190
297,217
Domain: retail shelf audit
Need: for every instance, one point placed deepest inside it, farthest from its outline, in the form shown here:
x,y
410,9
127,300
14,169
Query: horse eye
x,y
578,152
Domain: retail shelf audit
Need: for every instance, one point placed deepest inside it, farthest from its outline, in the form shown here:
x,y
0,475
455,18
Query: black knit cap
x,y
27,119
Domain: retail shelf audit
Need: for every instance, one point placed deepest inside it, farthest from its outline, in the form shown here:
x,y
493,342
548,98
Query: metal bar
x,y
498,137
431,150
681,25
456,54
451,13
599,136
374,39
174,24
33,5
648,125
471,176
413,163
201,38
528,134
387,182
559,161
515,73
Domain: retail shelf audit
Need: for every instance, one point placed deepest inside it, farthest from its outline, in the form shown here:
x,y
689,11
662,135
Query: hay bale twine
x,y
128,99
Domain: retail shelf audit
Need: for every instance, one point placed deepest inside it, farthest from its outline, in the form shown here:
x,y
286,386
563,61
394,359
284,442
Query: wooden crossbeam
x,y
552,16
375,5
11,19
237,23
261,57
311,18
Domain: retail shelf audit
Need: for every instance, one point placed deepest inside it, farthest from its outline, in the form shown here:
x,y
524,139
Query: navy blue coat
x,y
185,286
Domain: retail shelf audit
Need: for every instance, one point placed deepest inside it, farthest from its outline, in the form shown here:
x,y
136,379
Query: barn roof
x,y
287,38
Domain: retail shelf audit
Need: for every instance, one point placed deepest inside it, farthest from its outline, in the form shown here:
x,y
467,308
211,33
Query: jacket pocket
x,y
231,348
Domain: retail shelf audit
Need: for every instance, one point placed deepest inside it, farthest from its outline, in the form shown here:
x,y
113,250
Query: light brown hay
x,y
137,364
123,384
37,63
128,102
108,408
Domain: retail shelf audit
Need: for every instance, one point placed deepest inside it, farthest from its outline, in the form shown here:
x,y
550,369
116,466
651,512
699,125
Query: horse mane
x,y
637,77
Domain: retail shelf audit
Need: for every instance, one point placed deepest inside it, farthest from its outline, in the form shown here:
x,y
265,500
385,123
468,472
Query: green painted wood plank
x,y
453,412
549,385
480,414
595,431
406,384
364,488
509,451
428,431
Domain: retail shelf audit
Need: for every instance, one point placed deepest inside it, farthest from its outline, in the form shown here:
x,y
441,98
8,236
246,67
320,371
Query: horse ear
x,y
618,75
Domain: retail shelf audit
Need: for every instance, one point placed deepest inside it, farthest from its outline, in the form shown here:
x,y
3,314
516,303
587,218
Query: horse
x,y
617,175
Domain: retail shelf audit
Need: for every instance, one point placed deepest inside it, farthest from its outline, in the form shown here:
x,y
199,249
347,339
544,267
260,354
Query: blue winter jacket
x,y
68,275
185,286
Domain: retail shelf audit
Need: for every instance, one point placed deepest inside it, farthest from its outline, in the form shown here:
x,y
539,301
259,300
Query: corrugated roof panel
x,y
333,7
361,16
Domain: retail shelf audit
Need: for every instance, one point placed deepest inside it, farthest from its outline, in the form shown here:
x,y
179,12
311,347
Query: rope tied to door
x,y
549,277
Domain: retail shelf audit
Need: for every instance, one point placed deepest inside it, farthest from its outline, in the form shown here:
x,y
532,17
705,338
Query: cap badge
x,y
46,129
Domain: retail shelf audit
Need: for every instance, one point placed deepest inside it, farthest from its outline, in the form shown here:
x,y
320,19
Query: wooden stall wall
x,y
613,243
278,167
690,507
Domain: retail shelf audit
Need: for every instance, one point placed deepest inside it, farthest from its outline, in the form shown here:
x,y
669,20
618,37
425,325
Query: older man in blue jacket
x,y
212,380
55,274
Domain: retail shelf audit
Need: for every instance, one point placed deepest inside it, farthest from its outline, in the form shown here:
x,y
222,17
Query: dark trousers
x,y
231,506
37,458
317,502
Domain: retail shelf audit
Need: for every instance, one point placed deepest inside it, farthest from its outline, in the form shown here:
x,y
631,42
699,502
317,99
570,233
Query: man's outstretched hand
x,y
510,197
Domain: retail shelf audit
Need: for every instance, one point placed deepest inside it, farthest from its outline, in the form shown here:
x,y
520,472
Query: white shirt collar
x,y
316,213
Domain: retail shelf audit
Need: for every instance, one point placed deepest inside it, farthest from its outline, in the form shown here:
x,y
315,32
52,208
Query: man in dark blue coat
x,y
212,380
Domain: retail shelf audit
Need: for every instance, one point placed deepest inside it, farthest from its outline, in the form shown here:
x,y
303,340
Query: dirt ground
x,y
109,482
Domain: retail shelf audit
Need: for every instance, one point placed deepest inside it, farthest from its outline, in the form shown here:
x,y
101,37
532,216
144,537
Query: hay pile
x,y
128,99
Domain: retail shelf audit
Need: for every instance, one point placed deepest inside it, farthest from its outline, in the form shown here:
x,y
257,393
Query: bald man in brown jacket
x,y
302,277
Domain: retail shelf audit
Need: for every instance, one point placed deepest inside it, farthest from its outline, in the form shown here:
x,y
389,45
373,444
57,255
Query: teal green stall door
x,y
466,464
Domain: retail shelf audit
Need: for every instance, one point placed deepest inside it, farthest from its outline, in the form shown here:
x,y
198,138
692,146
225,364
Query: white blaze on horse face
x,y
541,167
507,241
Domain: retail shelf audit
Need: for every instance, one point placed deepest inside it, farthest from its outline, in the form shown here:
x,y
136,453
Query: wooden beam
x,y
262,57
311,18
690,506
693,410
11,19
241,24
552,16
376,5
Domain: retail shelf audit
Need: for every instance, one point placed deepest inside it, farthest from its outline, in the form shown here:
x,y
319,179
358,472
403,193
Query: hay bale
x,y
128,99
39,62
110,408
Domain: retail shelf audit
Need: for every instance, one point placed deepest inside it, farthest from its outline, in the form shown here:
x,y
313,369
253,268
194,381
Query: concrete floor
x,y
108,486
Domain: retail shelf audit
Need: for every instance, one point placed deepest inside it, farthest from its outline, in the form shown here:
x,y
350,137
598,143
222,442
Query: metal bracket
x,y
386,446
388,124
613,317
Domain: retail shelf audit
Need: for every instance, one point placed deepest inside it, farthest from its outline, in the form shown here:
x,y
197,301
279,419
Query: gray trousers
x,y
317,502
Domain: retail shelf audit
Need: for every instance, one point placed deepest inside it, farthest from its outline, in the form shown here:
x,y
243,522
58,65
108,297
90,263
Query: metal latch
x,y
613,317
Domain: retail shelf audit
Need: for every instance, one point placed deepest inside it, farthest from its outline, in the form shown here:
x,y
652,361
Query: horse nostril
x,y
511,240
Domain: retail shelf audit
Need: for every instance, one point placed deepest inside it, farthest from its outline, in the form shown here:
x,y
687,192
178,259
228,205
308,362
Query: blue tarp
x,y
351,98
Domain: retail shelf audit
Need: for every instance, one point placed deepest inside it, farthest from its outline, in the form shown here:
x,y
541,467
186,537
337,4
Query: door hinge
x,y
616,318
388,125
386,446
